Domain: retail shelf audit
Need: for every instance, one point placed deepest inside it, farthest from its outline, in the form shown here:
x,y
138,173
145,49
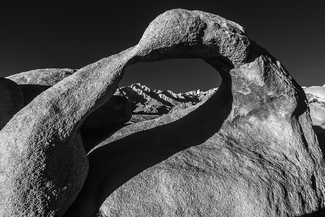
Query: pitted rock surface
x,y
43,161
109,116
249,150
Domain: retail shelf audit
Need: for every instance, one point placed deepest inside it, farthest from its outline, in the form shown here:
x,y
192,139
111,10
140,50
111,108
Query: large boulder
x,y
108,117
43,163
249,150
11,100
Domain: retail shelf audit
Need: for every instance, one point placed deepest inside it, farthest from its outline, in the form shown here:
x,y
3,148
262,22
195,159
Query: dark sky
x,y
38,34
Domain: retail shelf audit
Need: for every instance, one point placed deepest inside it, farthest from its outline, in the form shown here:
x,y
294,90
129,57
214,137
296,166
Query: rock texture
x,y
47,77
43,161
11,100
107,117
249,150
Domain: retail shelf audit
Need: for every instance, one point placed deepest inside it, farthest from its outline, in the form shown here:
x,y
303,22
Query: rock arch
x,y
43,159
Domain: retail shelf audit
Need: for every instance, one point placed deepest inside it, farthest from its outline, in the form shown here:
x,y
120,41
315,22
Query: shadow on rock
x,y
319,213
114,164
320,133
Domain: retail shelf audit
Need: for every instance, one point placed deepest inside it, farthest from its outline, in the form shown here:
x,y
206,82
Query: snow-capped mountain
x,y
152,101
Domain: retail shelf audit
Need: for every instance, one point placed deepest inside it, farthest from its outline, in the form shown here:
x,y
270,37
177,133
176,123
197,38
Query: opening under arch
x,y
177,75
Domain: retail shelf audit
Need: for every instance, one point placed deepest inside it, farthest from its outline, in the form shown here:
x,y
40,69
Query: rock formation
x,y
249,150
43,161
108,117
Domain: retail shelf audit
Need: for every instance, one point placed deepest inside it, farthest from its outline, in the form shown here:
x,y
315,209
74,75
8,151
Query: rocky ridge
x,y
316,100
148,104
157,102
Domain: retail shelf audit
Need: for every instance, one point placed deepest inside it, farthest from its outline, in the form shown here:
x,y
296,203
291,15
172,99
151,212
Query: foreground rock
x,y
249,150
108,117
43,161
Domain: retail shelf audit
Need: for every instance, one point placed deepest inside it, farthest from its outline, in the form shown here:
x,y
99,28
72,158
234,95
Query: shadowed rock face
x,y
249,150
11,100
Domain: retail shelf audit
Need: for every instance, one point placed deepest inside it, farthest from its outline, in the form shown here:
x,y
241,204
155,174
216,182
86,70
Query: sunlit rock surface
x,y
249,150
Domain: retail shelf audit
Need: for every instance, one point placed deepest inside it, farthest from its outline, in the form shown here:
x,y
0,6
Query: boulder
x,y
43,162
11,100
108,117
249,150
